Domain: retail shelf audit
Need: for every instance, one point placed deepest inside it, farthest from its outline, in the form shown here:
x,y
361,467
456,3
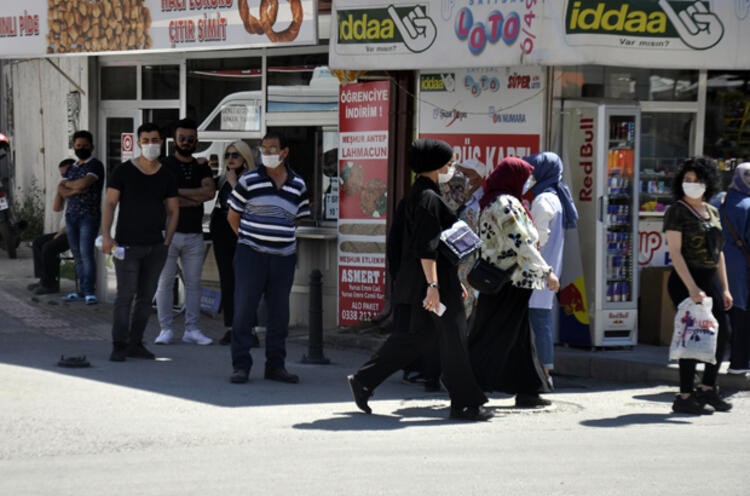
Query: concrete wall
x,y
40,133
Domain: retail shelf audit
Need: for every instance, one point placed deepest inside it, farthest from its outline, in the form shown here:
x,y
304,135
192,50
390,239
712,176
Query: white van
x,y
240,116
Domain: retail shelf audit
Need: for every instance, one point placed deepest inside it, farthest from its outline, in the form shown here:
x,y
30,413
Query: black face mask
x,y
83,153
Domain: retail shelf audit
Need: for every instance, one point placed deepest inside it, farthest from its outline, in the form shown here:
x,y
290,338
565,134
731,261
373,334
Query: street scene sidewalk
x,y
74,323
177,426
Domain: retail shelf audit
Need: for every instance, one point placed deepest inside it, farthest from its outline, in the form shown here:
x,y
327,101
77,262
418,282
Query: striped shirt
x,y
269,214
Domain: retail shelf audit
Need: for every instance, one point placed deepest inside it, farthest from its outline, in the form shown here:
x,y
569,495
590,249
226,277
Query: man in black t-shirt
x,y
196,186
147,194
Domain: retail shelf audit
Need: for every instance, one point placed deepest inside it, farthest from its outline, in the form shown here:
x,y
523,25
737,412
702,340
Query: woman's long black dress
x,y
426,215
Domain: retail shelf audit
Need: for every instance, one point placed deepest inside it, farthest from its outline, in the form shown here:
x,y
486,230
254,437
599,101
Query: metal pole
x,y
315,339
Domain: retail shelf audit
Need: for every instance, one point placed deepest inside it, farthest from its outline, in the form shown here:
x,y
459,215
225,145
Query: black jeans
x,y
47,251
705,279
137,277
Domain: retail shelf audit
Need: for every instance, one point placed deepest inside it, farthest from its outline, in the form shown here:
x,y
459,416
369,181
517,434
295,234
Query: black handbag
x,y
488,279
458,242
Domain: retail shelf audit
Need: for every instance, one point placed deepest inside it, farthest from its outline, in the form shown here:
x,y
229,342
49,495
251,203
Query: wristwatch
x,y
433,285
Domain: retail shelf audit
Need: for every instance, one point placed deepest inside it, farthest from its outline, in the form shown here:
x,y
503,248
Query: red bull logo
x,y
572,299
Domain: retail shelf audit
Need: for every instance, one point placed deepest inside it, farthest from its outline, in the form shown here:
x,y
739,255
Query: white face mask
x,y
444,178
151,151
694,190
530,182
270,161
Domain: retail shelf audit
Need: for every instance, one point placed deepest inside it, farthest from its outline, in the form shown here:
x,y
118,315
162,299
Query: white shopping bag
x,y
695,332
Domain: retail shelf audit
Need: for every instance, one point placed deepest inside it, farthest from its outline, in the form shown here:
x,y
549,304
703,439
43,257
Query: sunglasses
x,y
232,155
186,139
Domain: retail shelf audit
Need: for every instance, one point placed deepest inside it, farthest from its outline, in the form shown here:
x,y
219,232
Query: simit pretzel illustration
x,y
268,11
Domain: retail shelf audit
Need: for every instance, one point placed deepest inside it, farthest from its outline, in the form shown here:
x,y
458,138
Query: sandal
x,y
73,362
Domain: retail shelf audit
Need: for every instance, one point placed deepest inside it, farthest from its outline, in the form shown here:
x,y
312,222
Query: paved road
x,y
177,426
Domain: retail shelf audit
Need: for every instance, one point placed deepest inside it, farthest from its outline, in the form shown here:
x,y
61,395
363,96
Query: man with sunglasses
x,y
195,186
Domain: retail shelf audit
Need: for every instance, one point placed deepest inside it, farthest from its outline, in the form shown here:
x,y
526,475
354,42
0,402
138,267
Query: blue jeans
x,y
540,320
257,274
190,249
81,232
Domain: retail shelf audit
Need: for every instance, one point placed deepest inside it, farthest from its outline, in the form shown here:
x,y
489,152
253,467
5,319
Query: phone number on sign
x,y
356,315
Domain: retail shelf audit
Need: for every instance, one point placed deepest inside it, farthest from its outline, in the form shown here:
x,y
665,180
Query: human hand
x,y
431,301
107,244
728,300
698,28
697,295
417,30
553,283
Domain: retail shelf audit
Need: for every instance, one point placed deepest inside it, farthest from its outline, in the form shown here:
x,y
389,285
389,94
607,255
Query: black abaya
x,y
501,345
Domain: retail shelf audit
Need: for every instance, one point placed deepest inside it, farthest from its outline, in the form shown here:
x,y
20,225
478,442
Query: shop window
x,y
666,139
626,83
727,129
160,82
313,155
119,83
209,81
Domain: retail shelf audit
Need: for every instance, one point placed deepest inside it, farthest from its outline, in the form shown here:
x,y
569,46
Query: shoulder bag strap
x,y
733,232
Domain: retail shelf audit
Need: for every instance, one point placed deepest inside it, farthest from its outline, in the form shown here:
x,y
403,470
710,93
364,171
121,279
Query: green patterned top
x,y
702,239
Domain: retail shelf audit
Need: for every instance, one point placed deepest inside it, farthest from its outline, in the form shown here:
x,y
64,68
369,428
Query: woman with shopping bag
x,y
695,240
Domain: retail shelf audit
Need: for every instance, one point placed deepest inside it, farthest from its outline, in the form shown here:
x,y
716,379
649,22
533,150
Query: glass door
x,y
619,215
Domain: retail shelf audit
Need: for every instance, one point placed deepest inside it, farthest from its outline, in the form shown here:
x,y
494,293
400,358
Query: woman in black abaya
x,y
501,346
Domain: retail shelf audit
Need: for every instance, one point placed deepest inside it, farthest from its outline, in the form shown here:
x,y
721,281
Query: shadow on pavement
x,y
638,419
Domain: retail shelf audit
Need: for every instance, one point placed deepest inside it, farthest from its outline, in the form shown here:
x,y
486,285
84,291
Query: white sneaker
x,y
164,337
196,337
738,371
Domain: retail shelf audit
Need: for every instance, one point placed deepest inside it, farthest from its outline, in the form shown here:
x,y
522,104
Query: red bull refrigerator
x,y
599,282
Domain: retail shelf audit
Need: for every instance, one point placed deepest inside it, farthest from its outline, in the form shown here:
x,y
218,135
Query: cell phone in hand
x,y
440,310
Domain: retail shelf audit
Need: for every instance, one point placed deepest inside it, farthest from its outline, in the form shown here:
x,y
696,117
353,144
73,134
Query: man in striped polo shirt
x,y
264,209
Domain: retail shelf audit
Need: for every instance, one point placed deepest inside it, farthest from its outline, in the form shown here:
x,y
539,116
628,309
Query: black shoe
x,y
689,405
226,339
711,397
43,290
239,376
137,350
360,393
119,352
281,375
531,400
33,286
471,413
254,341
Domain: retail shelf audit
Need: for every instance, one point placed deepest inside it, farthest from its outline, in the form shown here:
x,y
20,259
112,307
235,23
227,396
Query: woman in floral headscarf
x,y
501,346
735,220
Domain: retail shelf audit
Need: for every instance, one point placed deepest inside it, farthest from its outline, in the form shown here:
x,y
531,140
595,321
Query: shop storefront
x,y
237,71
672,67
